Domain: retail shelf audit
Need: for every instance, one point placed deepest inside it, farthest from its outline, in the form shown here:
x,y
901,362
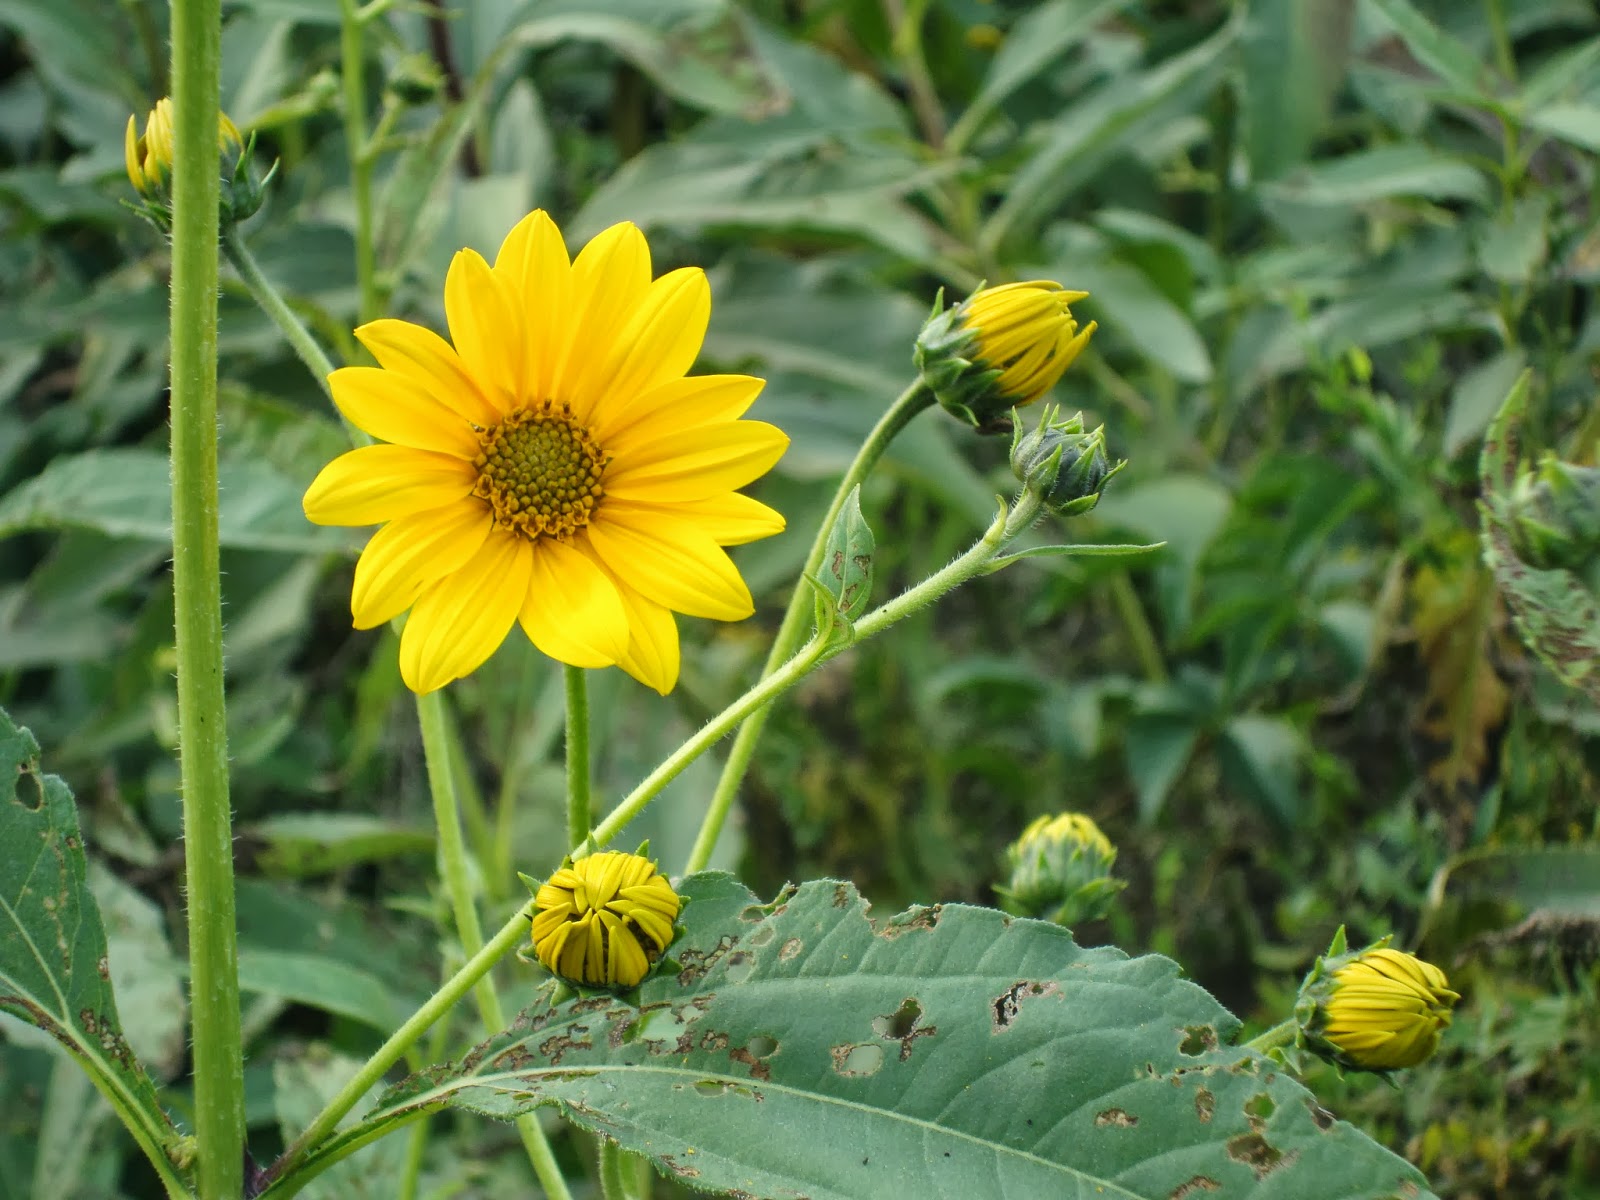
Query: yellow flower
x,y
149,157
554,467
604,920
1001,348
1375,1010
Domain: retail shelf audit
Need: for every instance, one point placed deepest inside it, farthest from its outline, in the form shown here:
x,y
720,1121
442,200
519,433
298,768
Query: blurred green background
x,y
1322,237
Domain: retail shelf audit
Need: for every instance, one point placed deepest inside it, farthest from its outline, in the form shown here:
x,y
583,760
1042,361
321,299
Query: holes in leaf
x,y
740,964
1193,1187
1119,1118
1260,1107
857,1059
1205,1103
1255,1152
1197,1039
903,1025
1321,1117
763,935
790,949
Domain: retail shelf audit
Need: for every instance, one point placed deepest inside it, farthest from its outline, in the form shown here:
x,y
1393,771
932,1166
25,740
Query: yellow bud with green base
x,y
604,920
1001,348
1061,871
149,154
1376,1009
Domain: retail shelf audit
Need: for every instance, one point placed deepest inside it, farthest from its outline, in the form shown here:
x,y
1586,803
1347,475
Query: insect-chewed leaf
x,y
805,1049
54,971
846,569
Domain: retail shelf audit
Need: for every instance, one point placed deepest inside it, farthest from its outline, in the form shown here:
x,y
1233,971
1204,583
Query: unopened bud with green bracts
x,y
149,162
1062,462
1555,516
1001,348
1061,871
1376,1009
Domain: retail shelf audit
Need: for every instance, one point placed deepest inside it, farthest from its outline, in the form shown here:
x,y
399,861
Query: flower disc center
x,y
540,471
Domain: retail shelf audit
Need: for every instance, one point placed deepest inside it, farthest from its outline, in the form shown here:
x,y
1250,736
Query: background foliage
x,y
1322,240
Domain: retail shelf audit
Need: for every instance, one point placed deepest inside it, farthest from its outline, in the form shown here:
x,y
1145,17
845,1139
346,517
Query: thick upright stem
x,y
197,605
577,757
792,632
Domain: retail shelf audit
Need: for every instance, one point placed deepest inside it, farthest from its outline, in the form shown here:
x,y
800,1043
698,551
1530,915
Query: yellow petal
x,y
692,464
393,408
486,327
130,150
407,555
429,360
624,423
729,519
572,611
673,565
652,656
659,342
462,619
380,483
609,278
534,264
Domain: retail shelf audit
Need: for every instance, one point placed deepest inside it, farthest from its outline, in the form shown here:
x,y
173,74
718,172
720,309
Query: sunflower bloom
x,y
1375,1010
1001,348
604,920
554,467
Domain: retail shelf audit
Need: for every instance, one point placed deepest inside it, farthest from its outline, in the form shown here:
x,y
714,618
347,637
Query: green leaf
x,y
846,569
1157,746
1511,248
301,1088
1293,59
317,843
1575,123
1133,310
128,493
1542,882
1555,613
1433,47
1079,550
953,1050
1110,122
1262,757
54,970
1037,40
1184,511
1382,173
330,984
1476,396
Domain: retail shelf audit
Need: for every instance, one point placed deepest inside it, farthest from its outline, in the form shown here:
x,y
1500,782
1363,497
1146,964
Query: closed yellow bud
x,y
1375,1010
149,156
604,920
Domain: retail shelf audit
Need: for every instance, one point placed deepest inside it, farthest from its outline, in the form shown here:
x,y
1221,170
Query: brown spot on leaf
x,y
1255,1152
790,949
1200,1183
912,920
1119,1117
696,963
556,1045
841,895
1321,1117
1205,1103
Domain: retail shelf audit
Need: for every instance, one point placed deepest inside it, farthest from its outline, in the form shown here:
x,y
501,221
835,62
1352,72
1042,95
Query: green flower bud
x,y
1061,871
1001,348
1066,466
416,79
1555,515
1374,1010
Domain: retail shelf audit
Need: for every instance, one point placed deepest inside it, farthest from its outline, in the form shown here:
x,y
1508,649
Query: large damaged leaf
x,y
54,969
805,1049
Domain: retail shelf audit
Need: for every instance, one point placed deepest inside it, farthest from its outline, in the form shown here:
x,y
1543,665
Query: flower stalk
x,y
792,631
197,605
577,756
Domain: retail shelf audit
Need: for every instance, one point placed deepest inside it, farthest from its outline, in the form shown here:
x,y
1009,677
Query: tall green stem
x,y
197,605
1279,1035
613,1181
351,69
791,633
458,884
577,757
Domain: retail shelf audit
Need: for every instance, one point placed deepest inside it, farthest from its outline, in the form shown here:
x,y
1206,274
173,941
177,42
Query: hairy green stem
x,y
436,744
1281,1034
272,303
197,606
613,1182
577,757
976,561
351,64
401,1040
791,633
1137,626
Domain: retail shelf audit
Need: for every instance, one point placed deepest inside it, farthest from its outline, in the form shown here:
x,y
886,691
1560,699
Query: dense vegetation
x,y
1321,239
